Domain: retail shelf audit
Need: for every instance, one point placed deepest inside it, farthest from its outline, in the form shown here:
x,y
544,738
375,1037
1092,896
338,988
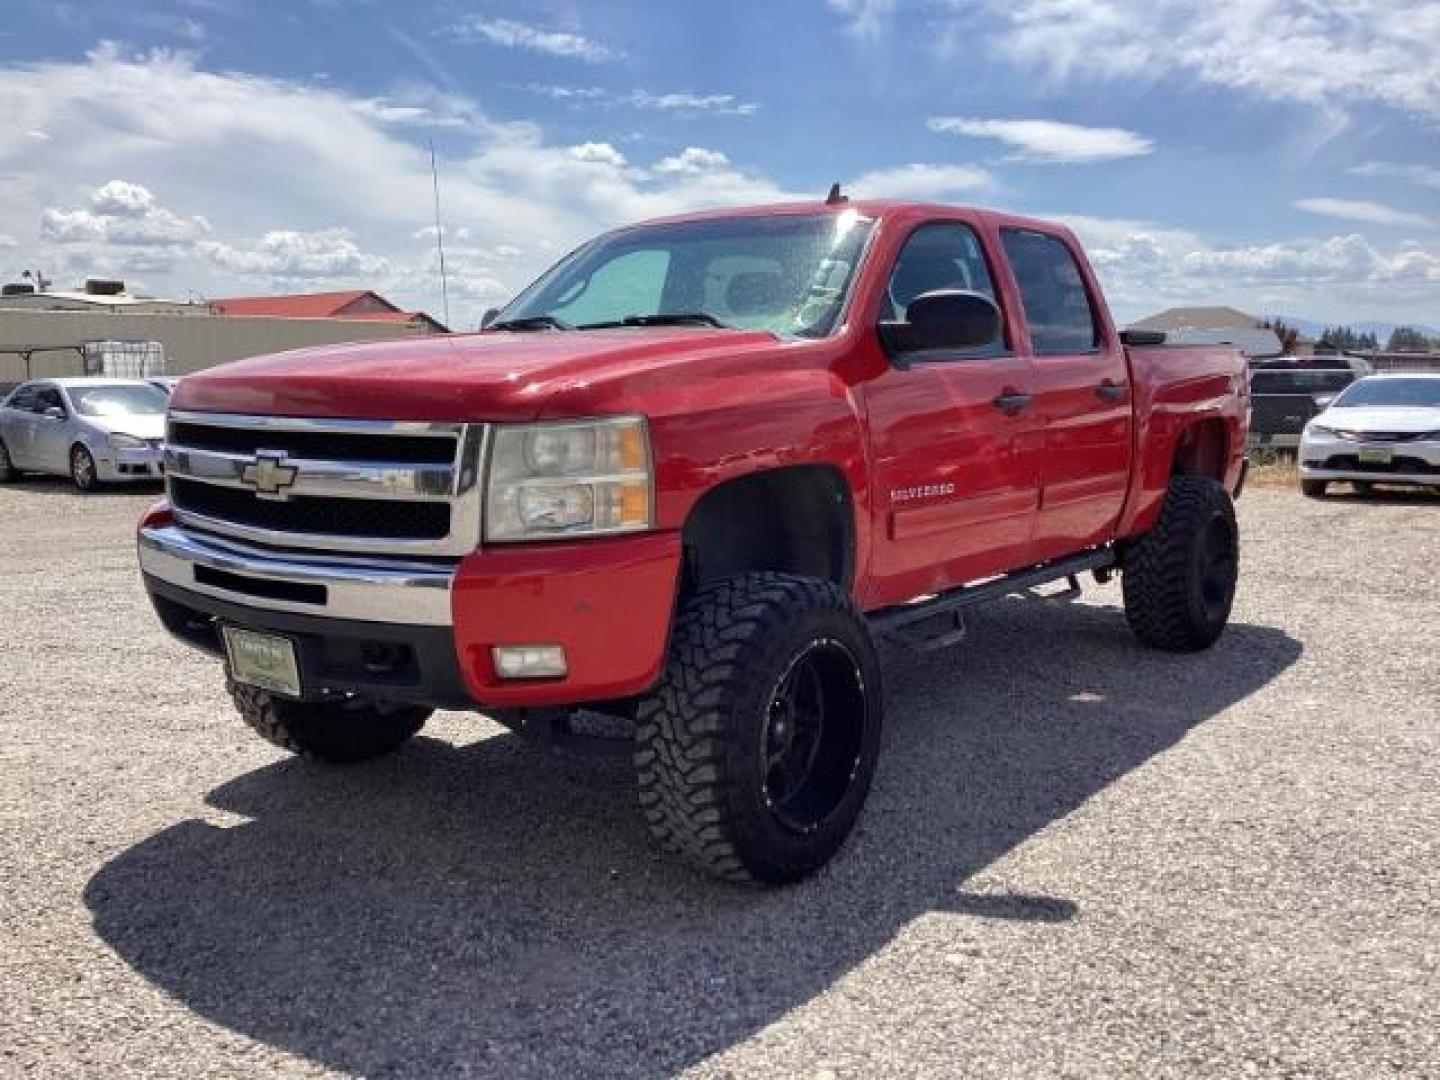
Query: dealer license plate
x,y
263,660
1375,455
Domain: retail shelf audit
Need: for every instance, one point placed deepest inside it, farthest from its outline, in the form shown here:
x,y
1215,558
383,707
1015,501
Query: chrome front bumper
x,y
131,463
364,589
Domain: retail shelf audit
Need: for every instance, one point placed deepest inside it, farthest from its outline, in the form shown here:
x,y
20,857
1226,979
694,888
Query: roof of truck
x,y
865,207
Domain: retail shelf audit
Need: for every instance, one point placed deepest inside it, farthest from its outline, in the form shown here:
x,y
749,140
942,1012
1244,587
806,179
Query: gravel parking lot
x,y
1080,858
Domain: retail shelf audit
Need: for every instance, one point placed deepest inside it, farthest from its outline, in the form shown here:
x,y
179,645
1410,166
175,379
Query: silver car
x,y
1383,429
93,430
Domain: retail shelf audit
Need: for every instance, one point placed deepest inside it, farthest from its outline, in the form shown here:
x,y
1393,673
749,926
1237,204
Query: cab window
x,y
942,255
1052,291
49,397
23,398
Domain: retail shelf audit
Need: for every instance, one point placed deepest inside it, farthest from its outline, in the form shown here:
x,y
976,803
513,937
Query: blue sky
x,y
1278,155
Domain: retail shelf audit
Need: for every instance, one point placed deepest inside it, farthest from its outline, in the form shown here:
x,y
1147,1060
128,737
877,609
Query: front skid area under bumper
x,y
427,637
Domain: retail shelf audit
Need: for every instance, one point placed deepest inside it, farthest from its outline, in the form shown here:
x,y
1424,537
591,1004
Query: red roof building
x,y
354,304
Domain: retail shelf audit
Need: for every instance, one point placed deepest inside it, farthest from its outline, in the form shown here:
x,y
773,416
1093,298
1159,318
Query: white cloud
x,y
517,35
1424,175
1145,266
333,185
919,181
864,18
124,214
8,241
1329,54
1359,210
1048,140
561,92
598,153
715,104
287,254
676,103
692,161
120,199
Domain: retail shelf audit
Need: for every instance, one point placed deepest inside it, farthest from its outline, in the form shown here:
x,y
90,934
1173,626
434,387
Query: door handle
x,y
1011,401
1111,390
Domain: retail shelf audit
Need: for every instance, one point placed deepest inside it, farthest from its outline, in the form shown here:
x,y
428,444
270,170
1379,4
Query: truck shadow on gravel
x,y
496,909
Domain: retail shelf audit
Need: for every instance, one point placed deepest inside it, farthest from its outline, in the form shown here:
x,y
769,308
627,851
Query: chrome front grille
x,y
372,486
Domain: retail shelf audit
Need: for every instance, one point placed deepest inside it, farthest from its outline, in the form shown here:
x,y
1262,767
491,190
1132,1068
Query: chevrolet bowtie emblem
x,y
269,475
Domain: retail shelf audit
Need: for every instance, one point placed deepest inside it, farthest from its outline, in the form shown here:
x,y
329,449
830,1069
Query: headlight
x,y
126,442
1321,430
576,478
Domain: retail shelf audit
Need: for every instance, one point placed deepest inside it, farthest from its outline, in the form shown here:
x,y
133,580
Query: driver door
x,y
19,426
953,440
50,438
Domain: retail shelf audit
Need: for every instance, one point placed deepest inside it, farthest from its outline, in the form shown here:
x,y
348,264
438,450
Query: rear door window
x,y
1052,291
23,399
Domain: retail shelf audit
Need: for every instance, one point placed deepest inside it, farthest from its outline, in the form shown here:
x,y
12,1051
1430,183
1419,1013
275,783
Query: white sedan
x,y
1382,429
92,430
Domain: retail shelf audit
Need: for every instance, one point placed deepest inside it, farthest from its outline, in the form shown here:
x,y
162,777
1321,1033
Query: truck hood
x,y
487,376
1407,420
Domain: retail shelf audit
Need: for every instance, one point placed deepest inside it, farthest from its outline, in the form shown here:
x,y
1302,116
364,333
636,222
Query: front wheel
x,y
342,732
82,468
8,473
756,750
1179,578
1313,489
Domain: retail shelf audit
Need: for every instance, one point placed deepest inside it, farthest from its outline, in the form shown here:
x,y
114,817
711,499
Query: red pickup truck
x,y
689,478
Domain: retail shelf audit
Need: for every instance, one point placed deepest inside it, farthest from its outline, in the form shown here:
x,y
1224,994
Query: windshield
x,y
1400,393
118,400
1292,381
787,273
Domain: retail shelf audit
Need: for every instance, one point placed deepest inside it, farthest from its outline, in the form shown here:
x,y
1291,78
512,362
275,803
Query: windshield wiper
x,y
675,318
531,322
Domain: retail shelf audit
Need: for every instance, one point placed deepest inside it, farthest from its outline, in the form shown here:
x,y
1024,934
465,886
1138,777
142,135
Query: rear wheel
x,y
1313,489
1364,487
82,468
352,730
8,473
756,750
1179,578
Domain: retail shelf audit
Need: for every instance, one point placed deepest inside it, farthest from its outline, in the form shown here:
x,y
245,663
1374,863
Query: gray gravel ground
x,y
1080,858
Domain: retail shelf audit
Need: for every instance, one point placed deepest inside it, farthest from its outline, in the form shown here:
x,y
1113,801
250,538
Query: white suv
x,y
1382,429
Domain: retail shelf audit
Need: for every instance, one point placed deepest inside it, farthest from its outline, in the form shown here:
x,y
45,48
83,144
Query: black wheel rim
x,y
1218,566
813,736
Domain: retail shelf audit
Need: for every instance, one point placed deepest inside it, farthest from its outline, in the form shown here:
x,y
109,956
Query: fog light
x,y
529,661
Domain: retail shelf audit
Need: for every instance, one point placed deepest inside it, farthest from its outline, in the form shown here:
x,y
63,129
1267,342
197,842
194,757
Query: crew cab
x,y
689,478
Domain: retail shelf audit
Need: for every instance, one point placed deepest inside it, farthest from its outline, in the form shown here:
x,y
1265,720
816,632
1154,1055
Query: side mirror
x,y
943,319
1322,401
54,412
490,315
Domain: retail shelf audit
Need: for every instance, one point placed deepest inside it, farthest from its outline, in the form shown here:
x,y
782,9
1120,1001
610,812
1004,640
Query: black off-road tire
x,y
83,469
703,735
8,473
1179,578
341,733
1313,489
1363,488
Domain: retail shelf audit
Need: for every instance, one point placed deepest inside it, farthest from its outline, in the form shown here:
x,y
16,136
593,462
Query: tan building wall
x,y
192,342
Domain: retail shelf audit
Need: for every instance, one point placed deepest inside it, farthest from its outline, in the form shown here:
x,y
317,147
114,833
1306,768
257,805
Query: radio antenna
x,y
440,237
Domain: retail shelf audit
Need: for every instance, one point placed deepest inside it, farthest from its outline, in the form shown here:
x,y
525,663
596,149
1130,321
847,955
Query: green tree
x,y
1288,335
1407,339
1344,339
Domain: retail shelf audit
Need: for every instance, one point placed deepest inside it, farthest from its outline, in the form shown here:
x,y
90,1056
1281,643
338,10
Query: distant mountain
x,y
1382,330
